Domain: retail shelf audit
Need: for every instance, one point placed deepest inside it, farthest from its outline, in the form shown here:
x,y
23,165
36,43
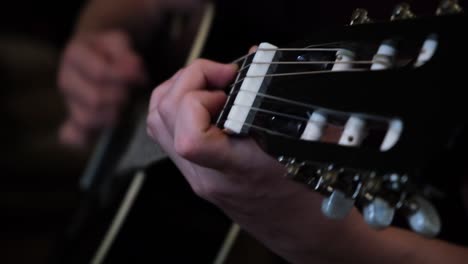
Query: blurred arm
x,y
137,17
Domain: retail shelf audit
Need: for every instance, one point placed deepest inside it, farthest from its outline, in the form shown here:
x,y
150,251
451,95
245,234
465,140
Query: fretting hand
x,y
237,176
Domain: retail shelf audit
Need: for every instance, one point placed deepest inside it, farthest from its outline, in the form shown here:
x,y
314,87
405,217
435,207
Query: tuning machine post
x,y
449,7
381,196
360,16
303,172
322,179
293,168
402,11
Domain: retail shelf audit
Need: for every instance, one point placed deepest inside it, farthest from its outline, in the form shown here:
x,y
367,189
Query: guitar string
x,y
356,62
311,107
294,74
264,129
271,112
308,47
261,128
301,49
369,126
287,49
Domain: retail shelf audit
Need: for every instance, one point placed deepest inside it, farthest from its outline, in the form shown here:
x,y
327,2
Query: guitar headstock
x,y
365,114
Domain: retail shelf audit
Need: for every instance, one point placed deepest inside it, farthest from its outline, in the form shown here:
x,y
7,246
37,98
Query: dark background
x,y
38,177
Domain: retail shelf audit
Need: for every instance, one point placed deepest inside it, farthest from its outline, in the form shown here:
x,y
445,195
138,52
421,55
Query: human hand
x,y
180,114
95,77
234,174
247,184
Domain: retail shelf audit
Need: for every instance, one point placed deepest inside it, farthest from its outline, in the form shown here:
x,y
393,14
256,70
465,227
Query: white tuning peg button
x,y
353,133
337,206
314,128
425,220
378,214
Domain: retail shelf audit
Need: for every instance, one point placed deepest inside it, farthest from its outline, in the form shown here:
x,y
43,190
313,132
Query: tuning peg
x,y
353,133
395,128
402,11
448,7
385,55
344,57
424,219
360,16
337,206
314,128
378,214
427,51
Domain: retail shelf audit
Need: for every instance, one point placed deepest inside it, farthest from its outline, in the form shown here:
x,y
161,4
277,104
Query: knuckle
x,y
197,63
187,147
153,121
155,97
189,100
164,107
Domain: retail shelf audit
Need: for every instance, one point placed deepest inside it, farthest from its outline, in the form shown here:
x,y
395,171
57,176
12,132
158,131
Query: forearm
x,y
296,229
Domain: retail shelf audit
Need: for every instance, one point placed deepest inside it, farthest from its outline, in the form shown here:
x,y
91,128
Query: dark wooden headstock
x,y
367,114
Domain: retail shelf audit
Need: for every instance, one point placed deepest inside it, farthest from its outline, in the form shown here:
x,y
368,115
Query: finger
x,y
113,43
91,63
253,49
157,96
89,120
159,133
116,47
74,136
131,69
161,90
202,74
90,94
197,140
